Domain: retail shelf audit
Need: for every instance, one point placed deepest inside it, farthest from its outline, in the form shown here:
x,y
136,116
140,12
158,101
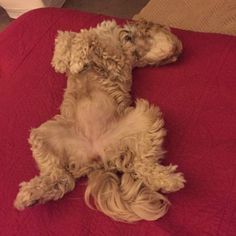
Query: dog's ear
x,y
70,53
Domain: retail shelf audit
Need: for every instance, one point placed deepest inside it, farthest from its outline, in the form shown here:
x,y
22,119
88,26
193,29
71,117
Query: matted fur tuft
x,y
99,133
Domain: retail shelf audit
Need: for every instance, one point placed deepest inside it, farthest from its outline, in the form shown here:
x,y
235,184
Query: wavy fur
x,y
98,133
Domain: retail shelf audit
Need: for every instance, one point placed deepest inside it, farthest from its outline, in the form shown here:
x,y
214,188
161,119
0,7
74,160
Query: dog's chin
x,y
173,58
147,62
167,61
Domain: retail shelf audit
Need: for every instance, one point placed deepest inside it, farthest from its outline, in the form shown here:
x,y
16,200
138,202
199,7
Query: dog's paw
x,y
28,195
174,183
41,189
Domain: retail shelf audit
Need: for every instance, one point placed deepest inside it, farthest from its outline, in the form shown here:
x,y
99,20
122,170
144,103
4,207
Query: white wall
x,y
15,8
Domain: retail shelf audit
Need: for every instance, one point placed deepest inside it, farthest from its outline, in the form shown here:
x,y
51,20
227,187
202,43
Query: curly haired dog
x,y
99,133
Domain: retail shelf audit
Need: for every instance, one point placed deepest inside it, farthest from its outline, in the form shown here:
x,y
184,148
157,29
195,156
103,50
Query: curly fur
x,y
98,133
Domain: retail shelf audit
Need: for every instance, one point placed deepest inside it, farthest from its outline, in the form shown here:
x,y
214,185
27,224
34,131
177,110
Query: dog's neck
x,y
122,72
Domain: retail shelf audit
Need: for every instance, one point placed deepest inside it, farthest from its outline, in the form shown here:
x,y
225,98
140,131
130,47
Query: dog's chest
x,y
94,113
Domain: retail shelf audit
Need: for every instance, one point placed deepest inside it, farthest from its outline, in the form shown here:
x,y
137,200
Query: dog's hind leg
x,y
138,137
133,146
54,179
131,131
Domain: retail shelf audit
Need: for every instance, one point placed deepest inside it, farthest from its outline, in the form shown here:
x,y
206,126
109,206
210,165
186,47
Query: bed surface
x,y
197,96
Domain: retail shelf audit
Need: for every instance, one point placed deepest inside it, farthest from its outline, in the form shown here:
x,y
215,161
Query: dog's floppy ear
x,y
70,53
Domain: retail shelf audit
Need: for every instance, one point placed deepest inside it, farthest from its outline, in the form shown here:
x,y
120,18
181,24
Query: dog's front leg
x,y
147,150
54,180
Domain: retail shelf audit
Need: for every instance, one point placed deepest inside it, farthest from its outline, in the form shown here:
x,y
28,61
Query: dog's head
x,y
110,47
154,44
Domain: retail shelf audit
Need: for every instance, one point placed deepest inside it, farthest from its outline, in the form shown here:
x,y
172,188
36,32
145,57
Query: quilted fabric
x,y
198,99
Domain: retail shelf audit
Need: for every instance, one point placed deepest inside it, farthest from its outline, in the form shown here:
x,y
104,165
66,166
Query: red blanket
x,y
197,96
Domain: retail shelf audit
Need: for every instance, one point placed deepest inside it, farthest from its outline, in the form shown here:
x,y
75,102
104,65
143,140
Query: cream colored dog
x,y
98,132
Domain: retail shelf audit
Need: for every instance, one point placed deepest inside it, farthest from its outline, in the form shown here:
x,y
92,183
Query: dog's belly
x,y
95,113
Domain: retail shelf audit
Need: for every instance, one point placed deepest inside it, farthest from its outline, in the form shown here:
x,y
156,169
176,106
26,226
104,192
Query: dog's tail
x,y
123,198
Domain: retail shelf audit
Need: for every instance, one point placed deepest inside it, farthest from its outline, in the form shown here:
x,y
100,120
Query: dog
x,y
99,133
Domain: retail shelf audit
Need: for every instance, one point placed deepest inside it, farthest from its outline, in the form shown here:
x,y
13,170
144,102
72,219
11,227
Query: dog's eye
x,y
128,38
125,36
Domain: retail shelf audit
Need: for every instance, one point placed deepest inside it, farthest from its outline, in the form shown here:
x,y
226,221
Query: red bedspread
x,y
197,96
